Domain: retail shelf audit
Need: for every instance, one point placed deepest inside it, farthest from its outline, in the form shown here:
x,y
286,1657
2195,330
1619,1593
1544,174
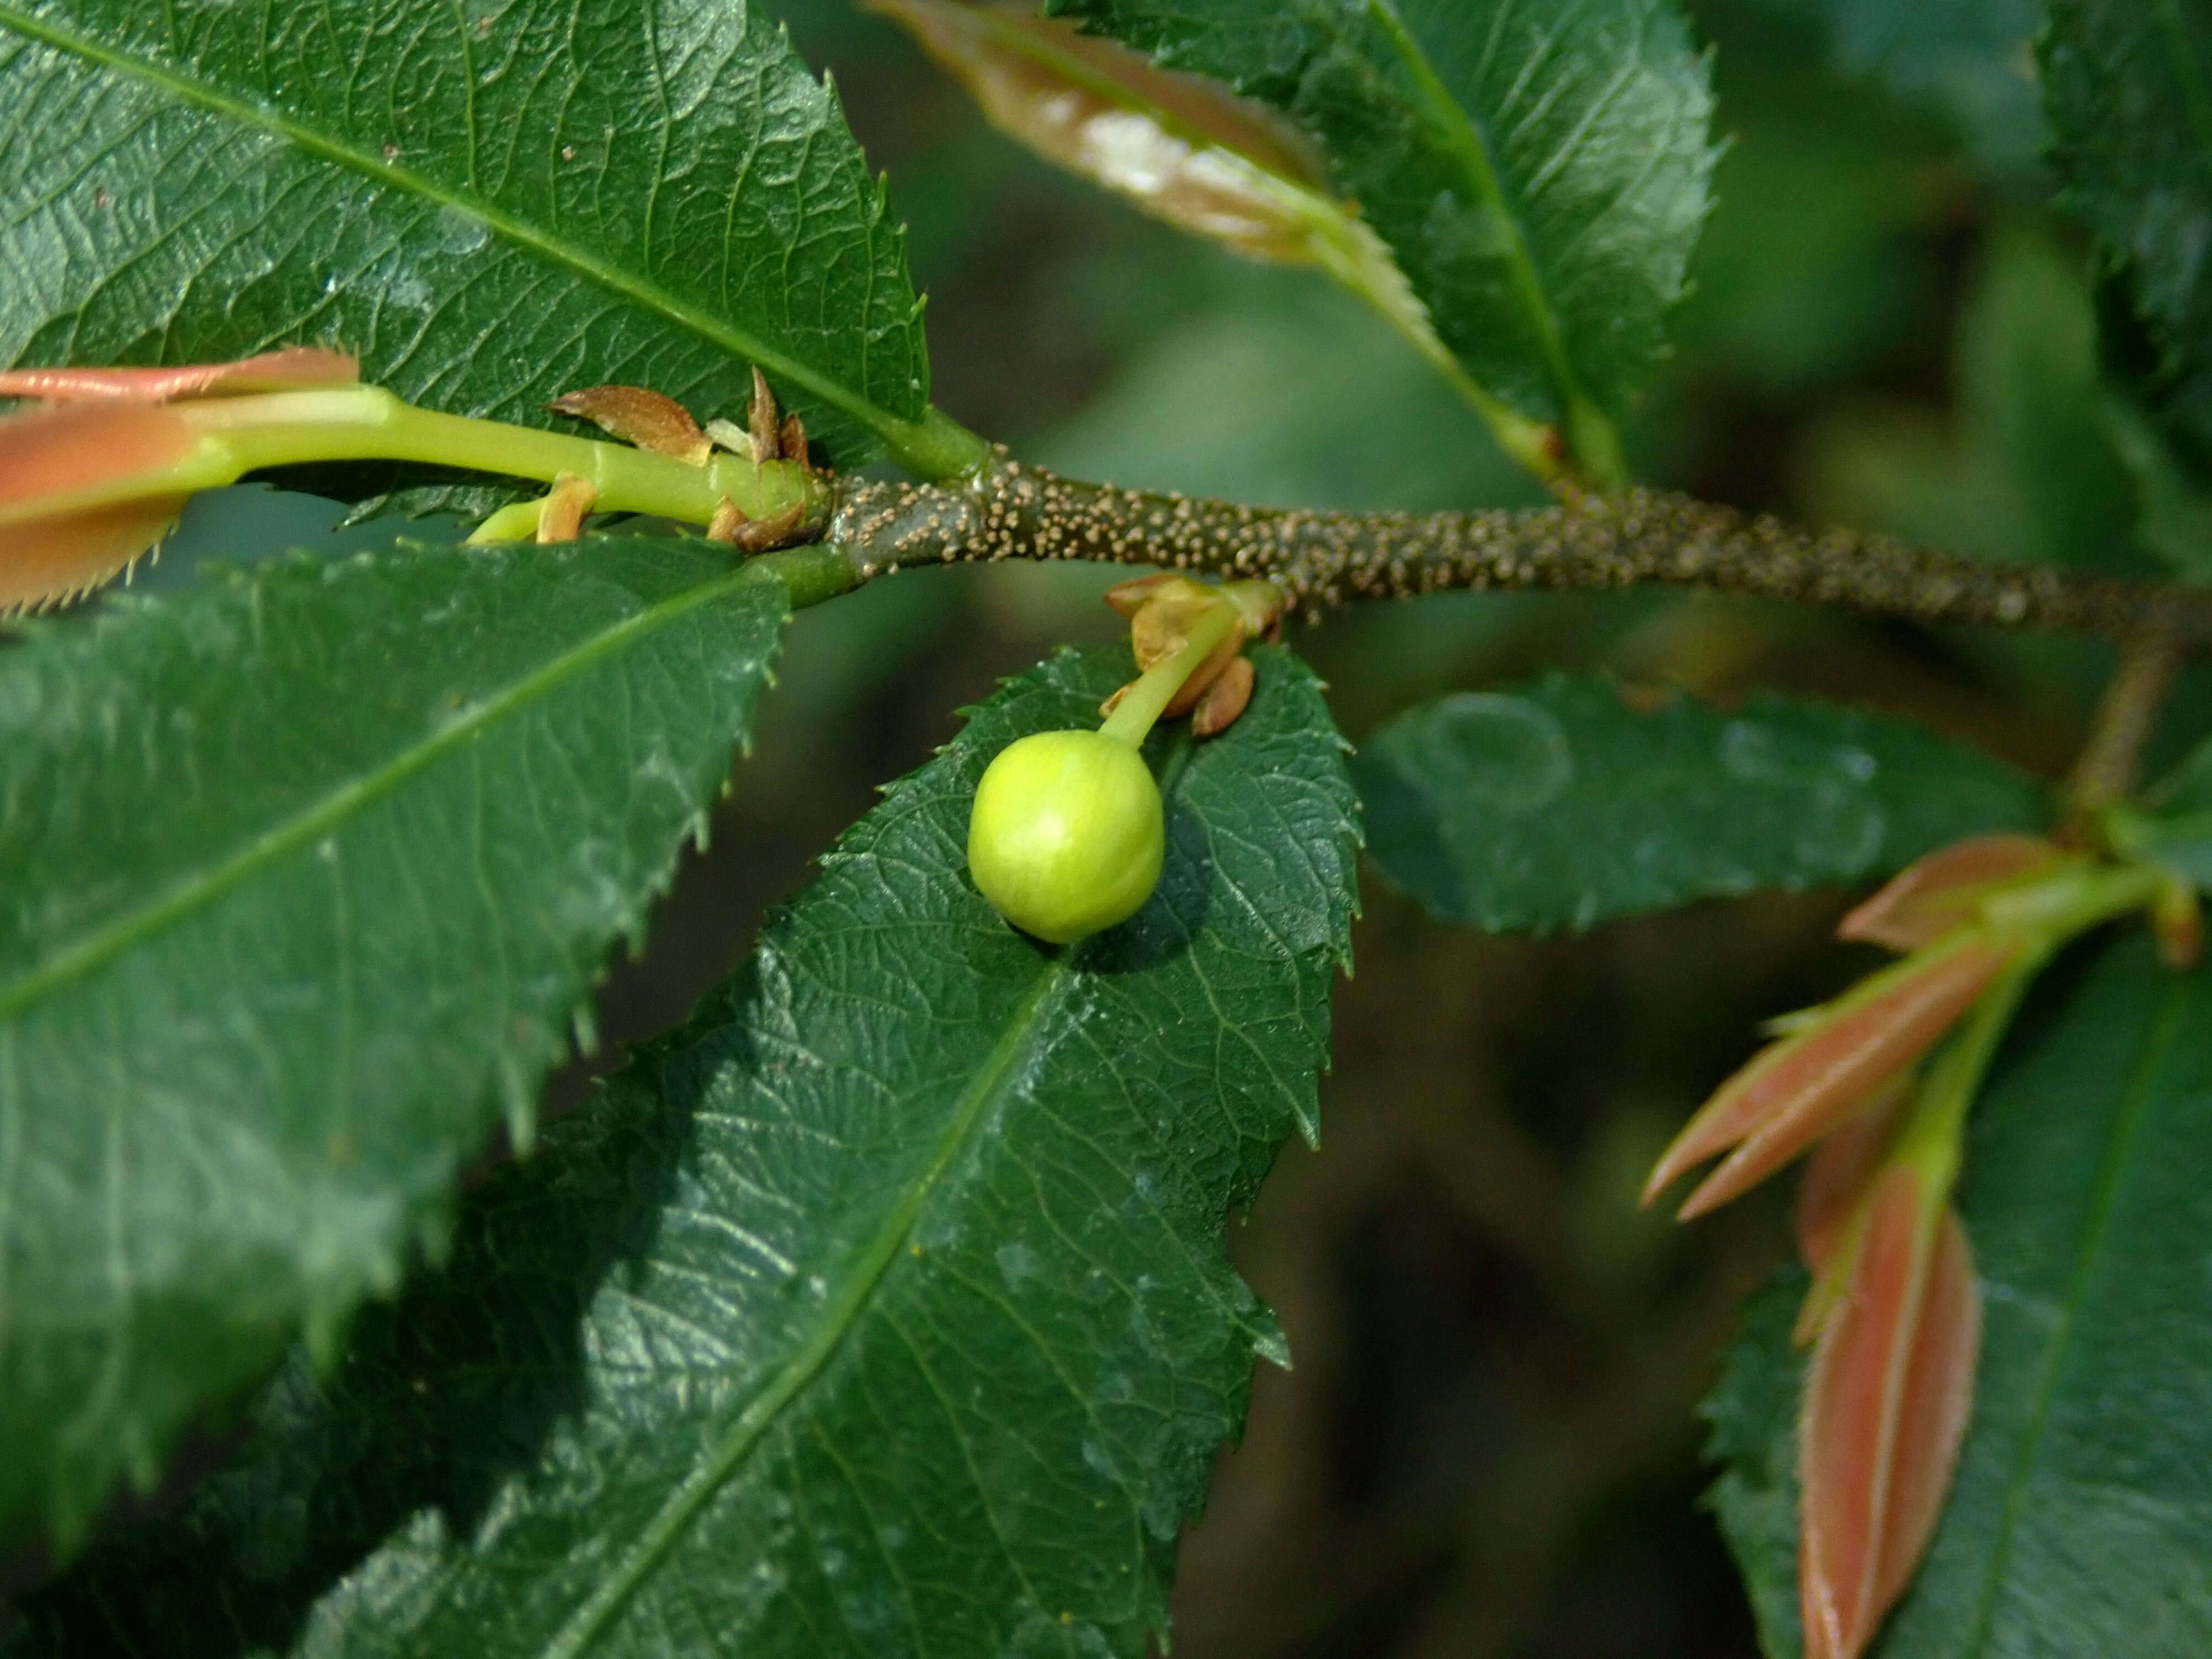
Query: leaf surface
x,y
1560,805
307,868
2079,1522
883,1311
1538,169
491,205
1184,150
2128,84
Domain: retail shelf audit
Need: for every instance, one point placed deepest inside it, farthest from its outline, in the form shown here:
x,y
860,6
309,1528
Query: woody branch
x,y
1011,510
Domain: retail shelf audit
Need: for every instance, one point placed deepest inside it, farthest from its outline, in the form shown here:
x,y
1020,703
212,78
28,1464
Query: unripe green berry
x,y
1066,835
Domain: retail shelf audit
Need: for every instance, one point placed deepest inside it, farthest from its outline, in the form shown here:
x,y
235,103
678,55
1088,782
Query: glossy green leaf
x,y
883,1310
492,205
1184,150
2129,86
2080,1521
1538,169
1564,803
307,867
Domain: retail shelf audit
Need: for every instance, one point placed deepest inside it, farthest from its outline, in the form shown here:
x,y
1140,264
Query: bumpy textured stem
x,y
1010,510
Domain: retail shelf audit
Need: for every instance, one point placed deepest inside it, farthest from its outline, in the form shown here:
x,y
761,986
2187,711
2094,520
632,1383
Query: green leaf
x,y
1185,151
1753,1413
491,205
1562,805
2079,1522
307,868
1969,57
883,1310
1538,170
2128,84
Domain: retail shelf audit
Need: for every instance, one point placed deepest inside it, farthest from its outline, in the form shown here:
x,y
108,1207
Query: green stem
x,y
238,435
2049,913
936,448
1132,717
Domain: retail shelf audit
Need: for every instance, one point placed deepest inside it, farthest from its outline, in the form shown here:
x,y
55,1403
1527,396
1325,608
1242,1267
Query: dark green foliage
x,y
1963,55
2081,1519
2173,826
2128,84
491,205
307,867
1753,1411
1538,173
2041,462
882,1310
1561,805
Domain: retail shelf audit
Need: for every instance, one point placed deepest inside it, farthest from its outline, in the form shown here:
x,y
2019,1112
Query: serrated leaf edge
x,y
189,893
894,429
1022,1026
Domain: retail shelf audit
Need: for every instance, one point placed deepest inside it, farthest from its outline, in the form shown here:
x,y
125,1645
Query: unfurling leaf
x,y
291,368
61,530
1841,1171
1795,1091
2077,1521
1539,175
1178,146
1885,1407
1932,896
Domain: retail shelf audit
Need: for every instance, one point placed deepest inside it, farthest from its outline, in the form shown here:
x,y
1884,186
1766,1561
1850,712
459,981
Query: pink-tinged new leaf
x,y
292,369
58,558
59,451
1794,1092
1886,1409
56,454
1930,897
1842,1168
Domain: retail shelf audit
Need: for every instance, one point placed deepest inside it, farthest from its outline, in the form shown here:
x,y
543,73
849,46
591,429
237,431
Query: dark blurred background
x,y
1488,1444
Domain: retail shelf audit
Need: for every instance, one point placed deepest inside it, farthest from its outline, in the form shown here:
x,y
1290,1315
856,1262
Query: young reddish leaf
x,y
1929,897
63,451
1795,1091
651,420
55,542
1180,147
59,558
1885,1407
290,369
1842,1168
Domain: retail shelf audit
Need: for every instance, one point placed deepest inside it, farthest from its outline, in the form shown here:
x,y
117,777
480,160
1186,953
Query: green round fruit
x,y
1066,837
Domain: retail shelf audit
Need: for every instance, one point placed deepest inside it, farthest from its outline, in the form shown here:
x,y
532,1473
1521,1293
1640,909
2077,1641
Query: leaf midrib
x,y
192,891
649,296
2133,1106
707,1476
1463,140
